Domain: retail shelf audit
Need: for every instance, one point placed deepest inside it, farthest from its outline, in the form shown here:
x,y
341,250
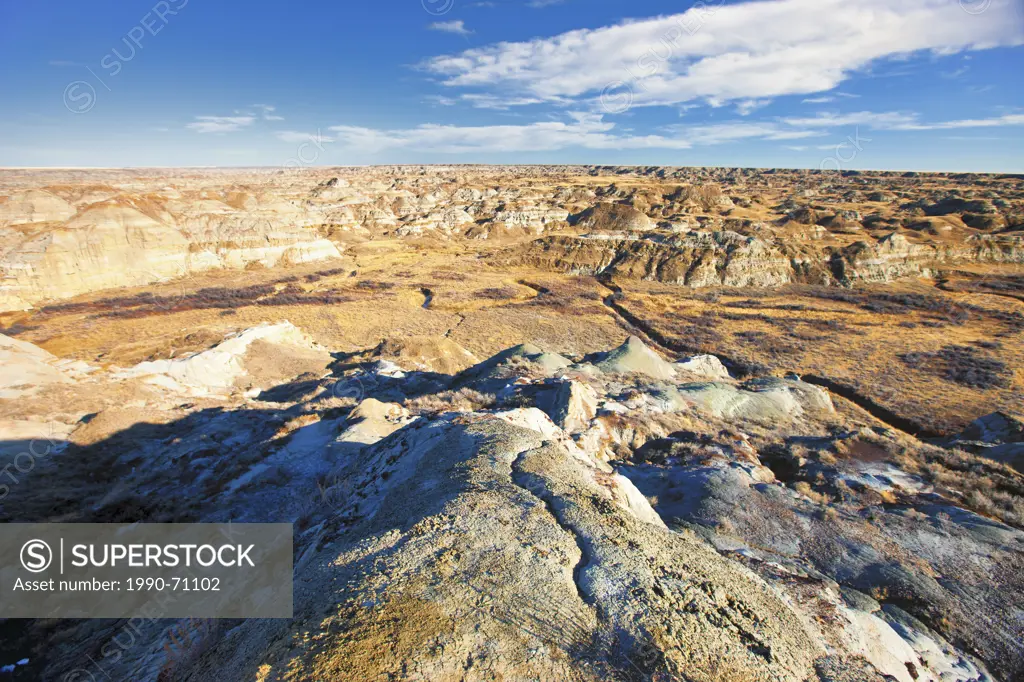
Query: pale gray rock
x,y
634,356
708,366
575,405
27,368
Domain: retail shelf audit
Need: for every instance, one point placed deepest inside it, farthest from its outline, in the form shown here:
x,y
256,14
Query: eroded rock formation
x,y
608,517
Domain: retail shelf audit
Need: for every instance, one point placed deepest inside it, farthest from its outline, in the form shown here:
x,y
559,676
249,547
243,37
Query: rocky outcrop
x,y
371,421
574,406
622,515
698,259
27,368
997,436
236,360
551,559
692,227
708,366
634,357
425,354
602,518
703,259
34,206
117,244
517,221
612,218
895,257
702,197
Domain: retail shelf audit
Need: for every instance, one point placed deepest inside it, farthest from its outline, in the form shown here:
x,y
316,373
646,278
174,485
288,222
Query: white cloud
x,y
268,112
818,100
457,27
498,103
894,120
748,106
440,101
586,130
591,131
297,137
683,108
583,130
994,122
720,133
889,119
220,124
744,51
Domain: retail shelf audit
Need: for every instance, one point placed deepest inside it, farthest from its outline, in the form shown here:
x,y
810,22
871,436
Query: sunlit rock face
x,y
134,241
697,228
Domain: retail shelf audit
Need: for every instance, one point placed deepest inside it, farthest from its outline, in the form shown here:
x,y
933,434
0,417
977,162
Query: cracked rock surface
x,y
539,516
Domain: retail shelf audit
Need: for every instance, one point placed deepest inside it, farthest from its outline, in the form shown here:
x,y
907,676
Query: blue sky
x,y
851,84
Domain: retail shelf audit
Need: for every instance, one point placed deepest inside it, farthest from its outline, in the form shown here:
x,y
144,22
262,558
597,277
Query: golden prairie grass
x,y
884,341
805,330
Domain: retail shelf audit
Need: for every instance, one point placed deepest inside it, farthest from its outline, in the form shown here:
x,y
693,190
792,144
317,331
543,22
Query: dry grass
x,y
461,400
852,337
465,307
981,485
889,343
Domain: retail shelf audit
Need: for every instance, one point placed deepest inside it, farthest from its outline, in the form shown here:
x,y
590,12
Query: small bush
x,y
962,365
498,293
371,285
462,400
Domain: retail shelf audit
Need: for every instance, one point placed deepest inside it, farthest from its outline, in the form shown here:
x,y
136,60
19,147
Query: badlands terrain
x,y
533,423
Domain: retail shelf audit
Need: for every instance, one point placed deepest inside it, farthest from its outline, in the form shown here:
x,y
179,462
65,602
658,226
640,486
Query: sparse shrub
x,y
333,272
462,400
517,400
805,489
725,526
498,293
827,458
443,275
979,501
372,285
962,365
827,513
